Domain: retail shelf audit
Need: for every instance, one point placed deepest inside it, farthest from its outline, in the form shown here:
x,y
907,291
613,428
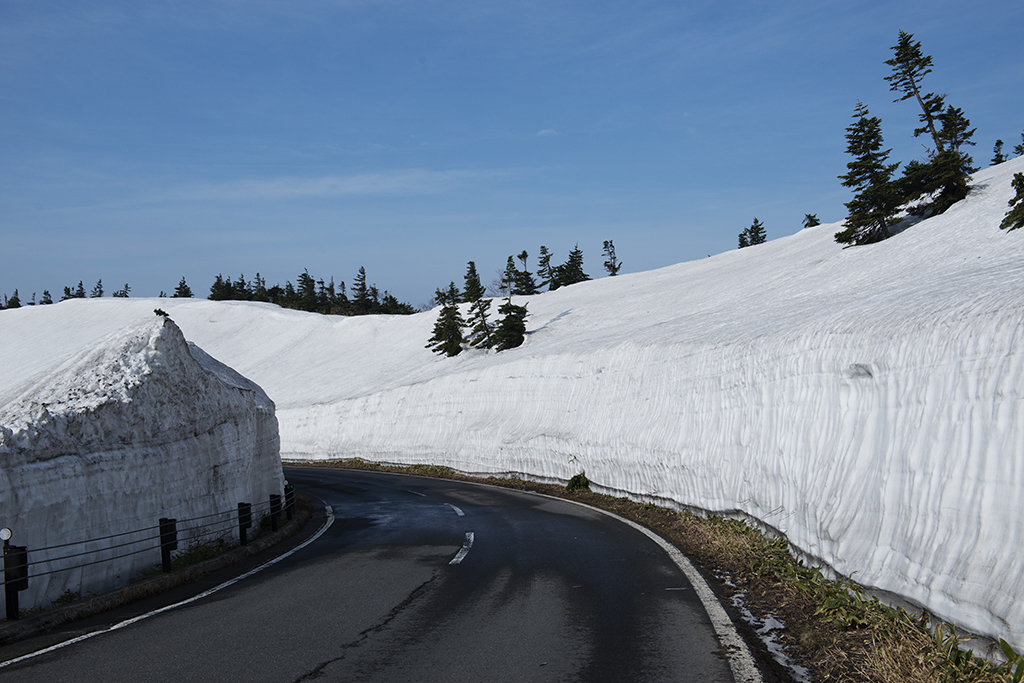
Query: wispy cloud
x,y
400,182
547,132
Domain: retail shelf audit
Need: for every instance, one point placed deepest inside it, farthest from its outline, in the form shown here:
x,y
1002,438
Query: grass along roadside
x,y
831,629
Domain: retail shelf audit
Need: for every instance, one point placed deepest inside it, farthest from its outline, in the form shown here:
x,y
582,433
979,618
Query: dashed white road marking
x,y
147,615
459,512
461,555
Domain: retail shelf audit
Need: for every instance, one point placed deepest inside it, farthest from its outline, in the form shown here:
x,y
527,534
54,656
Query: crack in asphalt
x,y
318,670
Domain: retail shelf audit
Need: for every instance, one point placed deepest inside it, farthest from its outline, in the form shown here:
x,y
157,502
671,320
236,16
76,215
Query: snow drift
x,y
137,426
868,403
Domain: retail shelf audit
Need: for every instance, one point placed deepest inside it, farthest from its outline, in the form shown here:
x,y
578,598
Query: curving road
x,y
421,580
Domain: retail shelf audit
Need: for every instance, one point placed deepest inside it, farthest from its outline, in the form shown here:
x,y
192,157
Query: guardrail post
x,y
275,510
15,575
244,521
168,541
289,500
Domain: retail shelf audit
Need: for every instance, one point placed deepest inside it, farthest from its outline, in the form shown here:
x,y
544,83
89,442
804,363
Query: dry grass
x,y
831,629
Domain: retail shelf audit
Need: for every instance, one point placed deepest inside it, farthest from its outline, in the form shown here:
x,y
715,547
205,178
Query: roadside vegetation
x,y
831,627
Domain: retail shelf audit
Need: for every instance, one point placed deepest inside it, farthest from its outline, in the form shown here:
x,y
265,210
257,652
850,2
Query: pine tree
x,y
14,301
46,298
811,220
97,291
1019,149
259,288
611,264
481,332
544,270
525,284
874,206
123,293
221,289
79,291
945,177
755,234
362,304
909,67
511,328
571,272
306,293
997,153
1014,218
448,337
509,277
182,291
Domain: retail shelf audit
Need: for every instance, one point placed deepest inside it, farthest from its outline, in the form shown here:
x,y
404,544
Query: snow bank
x,y
133,427
868,403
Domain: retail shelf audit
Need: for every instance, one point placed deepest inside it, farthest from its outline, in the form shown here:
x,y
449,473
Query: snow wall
x,y
137,426
867,403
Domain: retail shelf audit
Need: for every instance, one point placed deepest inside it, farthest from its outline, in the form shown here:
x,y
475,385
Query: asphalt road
x,y
419,580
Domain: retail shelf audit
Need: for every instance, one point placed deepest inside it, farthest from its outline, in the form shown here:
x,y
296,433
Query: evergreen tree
x,y
755,234
306,292
874,206
122,293
67,294
544,269
1019,149
480,333
14,301
79,291
511,329
571,272
362,304
46,298
97,291
525,284
221,289
509,277
997,153
909,67
447,337
811,220
182,291
1014,217
611,264
945,177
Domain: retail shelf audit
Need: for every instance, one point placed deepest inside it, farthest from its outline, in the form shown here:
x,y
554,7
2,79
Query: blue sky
x,y
141,142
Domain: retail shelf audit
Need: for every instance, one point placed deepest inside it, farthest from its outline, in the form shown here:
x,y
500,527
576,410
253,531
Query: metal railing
x,y
20,563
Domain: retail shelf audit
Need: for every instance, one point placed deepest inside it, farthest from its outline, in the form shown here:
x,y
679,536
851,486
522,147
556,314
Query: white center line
x,y
459,512
461,555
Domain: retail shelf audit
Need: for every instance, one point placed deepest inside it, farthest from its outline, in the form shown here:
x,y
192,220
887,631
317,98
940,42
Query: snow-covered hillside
x,y
867,402
124,430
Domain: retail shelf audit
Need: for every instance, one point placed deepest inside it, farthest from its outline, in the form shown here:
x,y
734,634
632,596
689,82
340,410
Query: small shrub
x,y
579,482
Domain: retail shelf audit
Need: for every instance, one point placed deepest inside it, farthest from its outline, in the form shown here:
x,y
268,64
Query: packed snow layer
x,y
130,428
865,402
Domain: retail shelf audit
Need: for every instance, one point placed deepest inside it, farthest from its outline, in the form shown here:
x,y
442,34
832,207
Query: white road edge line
x,y
147,615
461,555
459,512
740,661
